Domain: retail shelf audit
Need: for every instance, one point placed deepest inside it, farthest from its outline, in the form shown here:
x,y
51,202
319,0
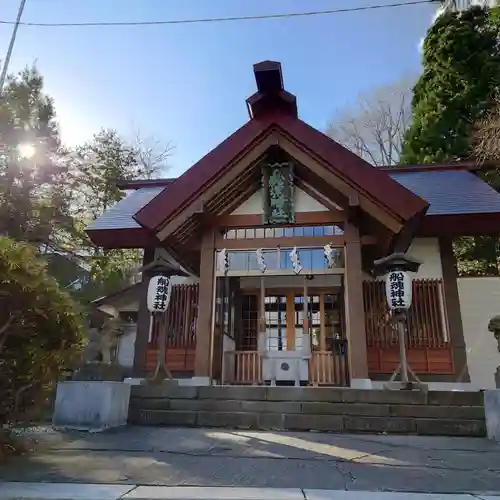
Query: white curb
x,y
78,491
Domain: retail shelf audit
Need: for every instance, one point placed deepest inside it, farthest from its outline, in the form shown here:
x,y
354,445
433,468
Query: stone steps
x,y
320,409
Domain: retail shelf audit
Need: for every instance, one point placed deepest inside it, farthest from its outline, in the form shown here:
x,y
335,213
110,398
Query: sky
x,y
187,83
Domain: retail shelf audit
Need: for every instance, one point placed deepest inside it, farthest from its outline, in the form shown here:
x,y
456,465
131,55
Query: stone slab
x,y
164,391
212,493
492,414
327,394
238,420
455,398
62,491
159,417
75,491
450,427
91,406
331,423
233,392
379,424
379,495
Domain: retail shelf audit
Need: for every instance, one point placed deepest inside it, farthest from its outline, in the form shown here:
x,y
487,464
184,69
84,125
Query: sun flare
x,y
26,150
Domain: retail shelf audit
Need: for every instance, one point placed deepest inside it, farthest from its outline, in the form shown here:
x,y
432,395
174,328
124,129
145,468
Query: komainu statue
x,y
99,360
494,327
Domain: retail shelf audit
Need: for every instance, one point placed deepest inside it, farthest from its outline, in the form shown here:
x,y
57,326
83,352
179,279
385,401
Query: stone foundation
x,y
91,406
320,409
492,413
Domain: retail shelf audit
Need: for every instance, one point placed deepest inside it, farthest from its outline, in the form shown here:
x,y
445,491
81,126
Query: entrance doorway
x,y
284,315
284,323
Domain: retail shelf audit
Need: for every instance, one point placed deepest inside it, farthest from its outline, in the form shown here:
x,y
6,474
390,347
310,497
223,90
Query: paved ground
x,y
208,457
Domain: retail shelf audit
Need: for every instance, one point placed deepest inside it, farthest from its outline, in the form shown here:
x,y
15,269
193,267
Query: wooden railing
x,y
245,368
181,318
180,330
242,367
427,338
328,368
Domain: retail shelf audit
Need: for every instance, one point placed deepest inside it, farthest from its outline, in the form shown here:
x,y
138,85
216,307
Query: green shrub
x,y
40,330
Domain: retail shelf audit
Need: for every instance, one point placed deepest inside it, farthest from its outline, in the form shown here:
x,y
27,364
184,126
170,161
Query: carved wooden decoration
x,y
277,180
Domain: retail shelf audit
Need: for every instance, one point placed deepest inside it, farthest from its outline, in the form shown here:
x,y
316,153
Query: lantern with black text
x,y
159,292
398,289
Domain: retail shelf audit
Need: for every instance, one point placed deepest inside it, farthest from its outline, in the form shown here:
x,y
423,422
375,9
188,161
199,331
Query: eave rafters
x,y
226,200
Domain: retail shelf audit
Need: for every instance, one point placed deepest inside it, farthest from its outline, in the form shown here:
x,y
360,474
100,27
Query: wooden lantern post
x,y
158,301
398,287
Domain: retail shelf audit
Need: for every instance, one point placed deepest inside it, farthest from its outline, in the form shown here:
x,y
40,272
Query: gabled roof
x,y
274,111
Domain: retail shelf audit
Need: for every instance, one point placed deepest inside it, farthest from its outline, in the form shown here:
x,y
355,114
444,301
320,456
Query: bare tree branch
x,y
152,155
486,136
374,128
4,330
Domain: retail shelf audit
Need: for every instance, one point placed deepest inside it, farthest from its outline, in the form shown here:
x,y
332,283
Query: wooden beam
x,y
322,319
326,217
143,320
295,241
290,321
355,312
453,311
205,307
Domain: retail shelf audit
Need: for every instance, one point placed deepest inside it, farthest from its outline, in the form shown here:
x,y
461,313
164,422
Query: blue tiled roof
x,y
451,192
120,216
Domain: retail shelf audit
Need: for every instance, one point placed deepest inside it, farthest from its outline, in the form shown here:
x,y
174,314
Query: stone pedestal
x,y
492,413
91,405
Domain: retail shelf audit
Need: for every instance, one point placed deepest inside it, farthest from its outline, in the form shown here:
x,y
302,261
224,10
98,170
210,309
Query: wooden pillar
x,y
143,320
453,311
322,316
290,321
354,307
204,325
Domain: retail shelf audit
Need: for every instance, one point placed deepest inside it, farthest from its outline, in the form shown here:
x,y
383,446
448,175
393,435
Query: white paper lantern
x,y
159,293
398,289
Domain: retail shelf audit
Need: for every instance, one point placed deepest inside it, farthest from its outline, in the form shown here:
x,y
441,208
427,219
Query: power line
x,y
17,22
225,19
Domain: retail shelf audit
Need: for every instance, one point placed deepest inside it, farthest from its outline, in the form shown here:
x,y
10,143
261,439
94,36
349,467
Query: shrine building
x,y
276,231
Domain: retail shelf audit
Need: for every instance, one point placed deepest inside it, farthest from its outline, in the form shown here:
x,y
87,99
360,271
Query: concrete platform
x,y
159,456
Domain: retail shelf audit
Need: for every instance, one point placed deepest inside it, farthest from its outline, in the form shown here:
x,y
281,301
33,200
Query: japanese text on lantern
x,y
159,291
398,290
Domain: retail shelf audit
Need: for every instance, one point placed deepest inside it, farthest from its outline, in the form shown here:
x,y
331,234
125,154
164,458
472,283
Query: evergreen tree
x,y
458,86
34,206
96,166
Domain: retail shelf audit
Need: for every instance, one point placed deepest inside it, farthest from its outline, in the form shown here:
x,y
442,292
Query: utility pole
x,y
11,45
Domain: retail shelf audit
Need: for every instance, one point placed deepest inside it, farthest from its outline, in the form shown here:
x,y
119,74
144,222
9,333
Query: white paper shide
x,y
398,289
159,292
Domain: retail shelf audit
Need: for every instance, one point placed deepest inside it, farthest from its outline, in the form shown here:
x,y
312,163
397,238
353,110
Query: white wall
x,y
426,250
126,346
302,203
479,302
